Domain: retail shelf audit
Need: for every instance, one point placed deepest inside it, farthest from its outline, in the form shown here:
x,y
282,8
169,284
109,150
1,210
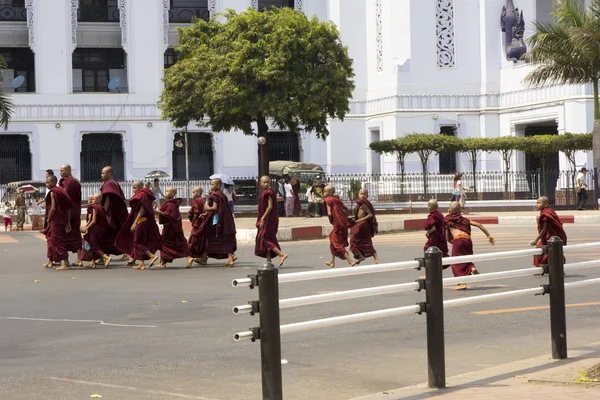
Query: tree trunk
x,y
596,131
474,169
263,150
506,170
424,166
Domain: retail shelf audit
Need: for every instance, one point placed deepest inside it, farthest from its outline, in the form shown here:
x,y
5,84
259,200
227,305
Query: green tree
x,y
425,144
400,148
6,105
473,148
256,67
567,51
569,145
541,146
506,146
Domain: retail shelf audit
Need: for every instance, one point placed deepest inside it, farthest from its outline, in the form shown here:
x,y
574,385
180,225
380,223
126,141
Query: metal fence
x,y
558,186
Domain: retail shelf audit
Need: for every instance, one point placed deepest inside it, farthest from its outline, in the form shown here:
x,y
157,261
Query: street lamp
x,y
183,142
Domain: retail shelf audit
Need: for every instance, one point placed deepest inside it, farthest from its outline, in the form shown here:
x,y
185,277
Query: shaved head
x,y
544,200
65,170
433,204
107,173
329,190
454,207
137,185
171,192
197,191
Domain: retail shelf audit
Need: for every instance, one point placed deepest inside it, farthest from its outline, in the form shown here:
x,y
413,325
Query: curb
x,y
322,231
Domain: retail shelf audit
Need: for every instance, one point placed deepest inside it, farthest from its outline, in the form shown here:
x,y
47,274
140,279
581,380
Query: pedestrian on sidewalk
x,y
458,232
21,210
582,194
37,223
548,225
8,211
458,191
289,198
295,182
318,192
280,196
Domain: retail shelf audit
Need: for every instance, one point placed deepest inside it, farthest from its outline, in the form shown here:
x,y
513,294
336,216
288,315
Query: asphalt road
x,y
171,332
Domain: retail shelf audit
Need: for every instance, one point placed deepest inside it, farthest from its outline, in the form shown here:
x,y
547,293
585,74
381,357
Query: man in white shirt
x,y
582,195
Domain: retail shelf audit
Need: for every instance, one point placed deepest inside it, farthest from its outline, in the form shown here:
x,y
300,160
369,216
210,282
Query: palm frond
x,y
6,105
570,13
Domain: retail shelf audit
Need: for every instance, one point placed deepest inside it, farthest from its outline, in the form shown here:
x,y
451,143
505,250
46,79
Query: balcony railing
x,y
184,15
13,13
98,14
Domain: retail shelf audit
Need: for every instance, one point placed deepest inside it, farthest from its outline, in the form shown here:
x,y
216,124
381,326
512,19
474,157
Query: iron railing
x,y
558,186
13,13
185,15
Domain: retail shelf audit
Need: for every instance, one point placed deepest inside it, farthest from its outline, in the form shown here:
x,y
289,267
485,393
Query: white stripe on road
x,y
78,320
133,389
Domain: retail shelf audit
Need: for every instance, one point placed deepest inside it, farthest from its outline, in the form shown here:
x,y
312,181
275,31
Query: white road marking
x,y
133,389
78,320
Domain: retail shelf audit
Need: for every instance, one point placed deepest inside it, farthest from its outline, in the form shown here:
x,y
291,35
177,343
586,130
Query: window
x,y
184,11
266,4
13,10
200,157
448,160
15,158
170,57
98,11
93,69
99,150
283,146
20,62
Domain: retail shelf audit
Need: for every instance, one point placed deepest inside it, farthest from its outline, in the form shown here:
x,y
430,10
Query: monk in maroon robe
x,y
458,232
139,236
58,210
196,215
361,241
338,238
174,243
93,231
548,225
115,207
219,227
434,229
73,189
267,222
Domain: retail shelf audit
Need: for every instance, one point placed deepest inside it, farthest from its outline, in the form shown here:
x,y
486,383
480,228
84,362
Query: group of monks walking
x,y
110,229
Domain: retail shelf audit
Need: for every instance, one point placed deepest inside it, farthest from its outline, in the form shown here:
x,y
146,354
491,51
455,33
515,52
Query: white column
x,y
144,44
50,39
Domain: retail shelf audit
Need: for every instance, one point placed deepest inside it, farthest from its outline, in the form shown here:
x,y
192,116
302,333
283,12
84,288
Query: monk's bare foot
x,y
131,262
77,264
234,258
107,260
139,266
63,268
190,262
462,286
351,264
152,261
330,264
48,264
360,259
282,259
161,265
474,271
92,264
124,258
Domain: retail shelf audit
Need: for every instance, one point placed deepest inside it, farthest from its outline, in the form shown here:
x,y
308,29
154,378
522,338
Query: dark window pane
x,y
15,158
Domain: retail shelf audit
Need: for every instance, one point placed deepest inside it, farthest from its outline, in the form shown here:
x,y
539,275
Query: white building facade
x,y
92,74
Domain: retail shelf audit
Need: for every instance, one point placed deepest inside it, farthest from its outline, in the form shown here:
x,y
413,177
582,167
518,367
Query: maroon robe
x,y
437,238
554,228
338,238
266,239
73,189
296,190
174,243
93,237
361,241
197,240
220,236
116,213
56,234
460,246
146,236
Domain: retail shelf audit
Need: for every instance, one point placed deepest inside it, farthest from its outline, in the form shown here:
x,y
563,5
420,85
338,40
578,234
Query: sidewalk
x,y
536,378
302,228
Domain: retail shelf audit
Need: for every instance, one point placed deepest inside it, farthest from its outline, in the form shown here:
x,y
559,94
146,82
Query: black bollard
x,y
434,299
270,335
558,315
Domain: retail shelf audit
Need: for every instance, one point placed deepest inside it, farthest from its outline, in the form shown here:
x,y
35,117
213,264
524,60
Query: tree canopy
x,y
567,51
256,67
6,105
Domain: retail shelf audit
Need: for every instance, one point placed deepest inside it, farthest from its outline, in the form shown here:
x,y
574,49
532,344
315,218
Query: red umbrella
x,y
28,189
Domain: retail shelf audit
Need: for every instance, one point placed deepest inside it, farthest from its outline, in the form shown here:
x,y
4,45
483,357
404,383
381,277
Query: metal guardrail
x,y
268,305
